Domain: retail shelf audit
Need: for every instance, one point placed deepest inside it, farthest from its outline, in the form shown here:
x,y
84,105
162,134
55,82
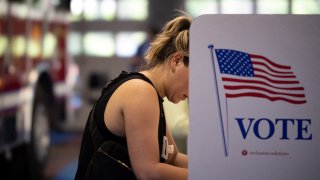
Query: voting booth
x,y
254,97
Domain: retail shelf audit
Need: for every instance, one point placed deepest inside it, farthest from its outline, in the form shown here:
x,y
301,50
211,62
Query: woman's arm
x,y
140,109
177,158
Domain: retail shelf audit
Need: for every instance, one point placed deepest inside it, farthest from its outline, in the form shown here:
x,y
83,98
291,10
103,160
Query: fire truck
x,y
36,81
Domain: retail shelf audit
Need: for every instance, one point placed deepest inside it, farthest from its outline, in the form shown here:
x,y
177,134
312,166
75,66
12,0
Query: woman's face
x,y
178,82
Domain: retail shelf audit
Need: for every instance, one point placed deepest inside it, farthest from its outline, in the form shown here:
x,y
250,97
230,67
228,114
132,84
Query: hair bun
x,y
185,25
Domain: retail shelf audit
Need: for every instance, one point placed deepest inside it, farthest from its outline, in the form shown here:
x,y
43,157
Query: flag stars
x,y
234,63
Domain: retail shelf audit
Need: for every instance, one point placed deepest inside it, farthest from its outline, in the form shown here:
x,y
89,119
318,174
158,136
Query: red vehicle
x,y
36,79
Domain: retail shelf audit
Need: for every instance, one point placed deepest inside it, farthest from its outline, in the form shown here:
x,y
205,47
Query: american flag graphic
x,y
249,75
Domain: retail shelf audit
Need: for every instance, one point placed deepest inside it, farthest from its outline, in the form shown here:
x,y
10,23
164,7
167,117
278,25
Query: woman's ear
x,y
175,60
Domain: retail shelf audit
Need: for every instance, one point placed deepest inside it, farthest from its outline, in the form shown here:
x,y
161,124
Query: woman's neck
x,y
156,76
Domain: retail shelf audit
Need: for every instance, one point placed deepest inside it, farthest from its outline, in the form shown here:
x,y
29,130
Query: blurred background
x,y
56,55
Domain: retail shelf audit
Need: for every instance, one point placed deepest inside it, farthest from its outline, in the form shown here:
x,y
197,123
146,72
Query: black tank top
x,y
96,132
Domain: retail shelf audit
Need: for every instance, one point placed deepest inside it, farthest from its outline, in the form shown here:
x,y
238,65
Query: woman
x,y
129,113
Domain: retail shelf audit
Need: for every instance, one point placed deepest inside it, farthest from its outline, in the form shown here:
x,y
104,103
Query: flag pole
x,y
211,47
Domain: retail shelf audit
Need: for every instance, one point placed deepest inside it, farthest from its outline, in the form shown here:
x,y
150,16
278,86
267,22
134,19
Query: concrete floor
x,y
62,163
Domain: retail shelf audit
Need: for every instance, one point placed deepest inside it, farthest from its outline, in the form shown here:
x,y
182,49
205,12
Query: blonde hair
x,y
174,37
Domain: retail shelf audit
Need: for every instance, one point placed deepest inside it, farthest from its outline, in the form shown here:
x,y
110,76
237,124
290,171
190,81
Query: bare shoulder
x,y
137,88
135,95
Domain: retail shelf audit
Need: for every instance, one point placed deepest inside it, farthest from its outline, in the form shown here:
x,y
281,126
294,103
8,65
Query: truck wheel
x,y
38,148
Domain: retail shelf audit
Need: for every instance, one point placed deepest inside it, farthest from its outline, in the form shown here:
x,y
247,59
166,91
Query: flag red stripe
x,y
273,75
277,81
259,95
262,89
270,62
260,82
273,70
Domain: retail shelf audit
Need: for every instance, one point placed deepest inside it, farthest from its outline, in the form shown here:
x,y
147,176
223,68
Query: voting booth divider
x,y
254,97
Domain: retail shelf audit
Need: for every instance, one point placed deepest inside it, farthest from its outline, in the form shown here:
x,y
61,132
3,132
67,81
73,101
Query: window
x,y
99,44
49,45
74,43
196,8
19,47
272,7
133,10
237,7
108,9
306,7
76,8
128,42
91,9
